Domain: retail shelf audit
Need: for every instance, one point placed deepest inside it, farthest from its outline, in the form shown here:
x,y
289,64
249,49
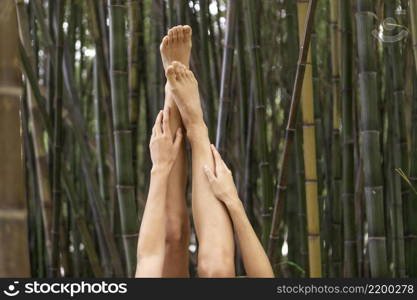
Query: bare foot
x,y
176,46
184,87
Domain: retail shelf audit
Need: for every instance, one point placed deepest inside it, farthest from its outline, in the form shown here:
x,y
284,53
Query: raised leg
x,y
213,225
176,45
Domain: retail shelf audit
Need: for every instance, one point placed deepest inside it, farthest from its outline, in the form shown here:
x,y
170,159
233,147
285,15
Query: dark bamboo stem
x,y
290,129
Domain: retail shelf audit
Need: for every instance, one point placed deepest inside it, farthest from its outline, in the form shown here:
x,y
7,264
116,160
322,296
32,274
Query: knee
x,y
216,265
177,232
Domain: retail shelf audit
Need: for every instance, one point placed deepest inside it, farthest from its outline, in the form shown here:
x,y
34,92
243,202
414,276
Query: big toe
x,y
187,31
170,74
165,42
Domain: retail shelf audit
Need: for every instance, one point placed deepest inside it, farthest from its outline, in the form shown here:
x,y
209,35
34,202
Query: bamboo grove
x,y
312,103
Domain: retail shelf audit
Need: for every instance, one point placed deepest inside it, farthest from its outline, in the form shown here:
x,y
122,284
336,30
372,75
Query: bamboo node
x,y
273,237
282,187
116,5
13,91
125,187
13,214
377,238
120,131
122,72
130,235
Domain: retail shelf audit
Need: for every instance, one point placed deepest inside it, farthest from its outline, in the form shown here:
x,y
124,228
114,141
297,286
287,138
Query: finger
x,y
209,173
178,139
157,125
225,166
165,122
217,158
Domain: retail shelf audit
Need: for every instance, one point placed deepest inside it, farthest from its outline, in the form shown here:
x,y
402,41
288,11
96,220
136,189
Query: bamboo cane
x,y
350,261
410,203
260,115
206,70
227,68
400,144
36,115
14,253
310,164
57,147
336,206
122,134
314,242
370,139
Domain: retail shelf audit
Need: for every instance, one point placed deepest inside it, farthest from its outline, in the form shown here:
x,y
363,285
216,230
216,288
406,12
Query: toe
x,y
176,33
183,71
171,35
180,34
165,41
170,31
176,65
170,74
189,74
187,31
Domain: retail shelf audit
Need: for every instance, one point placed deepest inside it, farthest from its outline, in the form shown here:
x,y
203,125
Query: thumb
x,y
209,173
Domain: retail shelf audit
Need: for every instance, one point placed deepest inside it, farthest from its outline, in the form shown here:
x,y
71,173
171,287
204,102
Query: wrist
x,y
233,202
160,169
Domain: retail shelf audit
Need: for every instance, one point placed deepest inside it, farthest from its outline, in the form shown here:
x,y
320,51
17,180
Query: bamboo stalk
x,y
400,144
133,74
57,147
315,262
410,203
207,86
350,261
370,139
413,22
36,115
310,163
226,81
14,258
122,134
260,115
336,205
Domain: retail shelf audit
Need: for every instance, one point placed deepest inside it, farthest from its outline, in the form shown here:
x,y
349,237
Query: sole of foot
x,y
176,46
184,87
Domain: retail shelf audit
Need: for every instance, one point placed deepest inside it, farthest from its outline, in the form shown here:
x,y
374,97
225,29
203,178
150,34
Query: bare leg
x,y
176,45
213,225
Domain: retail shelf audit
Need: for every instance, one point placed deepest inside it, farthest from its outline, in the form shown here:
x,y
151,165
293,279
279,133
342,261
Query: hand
x,y
221,182
164,149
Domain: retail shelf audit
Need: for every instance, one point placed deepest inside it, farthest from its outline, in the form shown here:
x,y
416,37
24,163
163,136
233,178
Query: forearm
x,y
254,258
151,241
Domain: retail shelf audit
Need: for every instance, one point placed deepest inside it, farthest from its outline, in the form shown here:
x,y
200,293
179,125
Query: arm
x,y
151,243
254,257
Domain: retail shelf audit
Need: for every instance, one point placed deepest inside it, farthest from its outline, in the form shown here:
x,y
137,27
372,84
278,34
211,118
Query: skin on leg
x,y
176,45
213,225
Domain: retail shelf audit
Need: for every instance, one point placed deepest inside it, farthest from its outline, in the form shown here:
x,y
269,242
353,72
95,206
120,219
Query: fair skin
x,y
213,225
176,46
164,149
254,258
163,250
